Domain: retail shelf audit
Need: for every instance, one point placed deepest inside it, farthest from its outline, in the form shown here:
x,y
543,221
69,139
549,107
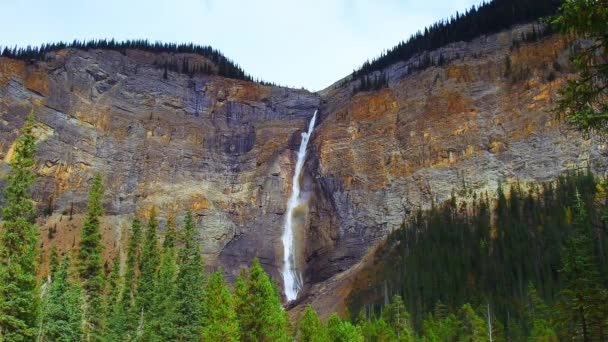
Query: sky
x,y
297,43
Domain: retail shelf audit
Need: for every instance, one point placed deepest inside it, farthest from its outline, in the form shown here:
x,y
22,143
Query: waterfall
x,y
292,280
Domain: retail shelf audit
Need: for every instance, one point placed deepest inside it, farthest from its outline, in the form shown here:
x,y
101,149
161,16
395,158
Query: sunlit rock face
x,y
220,147
226,149
461,128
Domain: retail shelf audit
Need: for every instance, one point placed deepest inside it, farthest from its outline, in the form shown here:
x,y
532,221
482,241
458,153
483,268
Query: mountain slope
x,y
225,148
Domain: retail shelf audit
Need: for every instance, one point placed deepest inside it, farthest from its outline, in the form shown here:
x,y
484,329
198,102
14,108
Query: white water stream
x,y
292,279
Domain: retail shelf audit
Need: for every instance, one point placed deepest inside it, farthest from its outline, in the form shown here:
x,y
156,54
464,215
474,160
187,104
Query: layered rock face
x,y
220,147
483,118
226,149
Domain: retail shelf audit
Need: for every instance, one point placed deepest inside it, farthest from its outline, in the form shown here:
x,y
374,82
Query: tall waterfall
x,y
292,280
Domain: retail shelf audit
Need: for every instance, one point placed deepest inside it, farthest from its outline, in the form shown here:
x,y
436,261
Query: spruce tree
x,y
113,303
398,318
149,264
190,282
342,331
62,315
161,321
472,326
542,330
90,263
19,296
310,328
220,320
582,308
128,314
584,99
262,317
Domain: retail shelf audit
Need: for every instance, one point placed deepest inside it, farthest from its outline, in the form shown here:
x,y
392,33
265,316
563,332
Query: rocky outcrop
x,y
481,119
217,146
226,149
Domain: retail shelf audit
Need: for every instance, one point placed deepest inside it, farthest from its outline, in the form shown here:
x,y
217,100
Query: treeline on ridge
x,y
224,66
489,17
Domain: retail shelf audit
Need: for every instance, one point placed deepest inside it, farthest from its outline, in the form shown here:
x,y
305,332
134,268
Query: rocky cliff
x,y
226,148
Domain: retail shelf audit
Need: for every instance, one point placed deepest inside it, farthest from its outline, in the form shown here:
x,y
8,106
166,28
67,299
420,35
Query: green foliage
x,y
310,328
584,100
90,263
438,328
160,325
262,317
190,282
582,308
497,258
62,315
220,323
342,331
148,268
542,328
113,303
19,299
398,319
472,327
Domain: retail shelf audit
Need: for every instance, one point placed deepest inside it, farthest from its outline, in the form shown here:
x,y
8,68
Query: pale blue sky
x,y
305,43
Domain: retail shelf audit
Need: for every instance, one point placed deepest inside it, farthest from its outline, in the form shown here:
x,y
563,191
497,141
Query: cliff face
x,y
481,119
220,147
226,148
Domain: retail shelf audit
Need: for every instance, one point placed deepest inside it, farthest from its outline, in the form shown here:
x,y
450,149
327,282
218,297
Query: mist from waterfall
x,y
292,279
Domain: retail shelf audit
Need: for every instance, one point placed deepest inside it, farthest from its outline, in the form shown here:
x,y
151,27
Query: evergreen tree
x,y
398,319
262,316
149,264
378,330
310,328
113,303
584,99
472,326
542,329
239,293
161,322
441,327
128,315
582,307
90,265
220,323
62,315
190,282
19,297
342,331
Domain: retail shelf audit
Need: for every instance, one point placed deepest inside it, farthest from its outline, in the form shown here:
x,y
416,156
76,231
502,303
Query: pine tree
x,y
113,303
398,318
161,322
239,293
220,322
19,297
472,326
190,282
342,331
542,330
262,317
128,315
582,307
149,264
378,330
584,99
90,265
62,315
310,328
